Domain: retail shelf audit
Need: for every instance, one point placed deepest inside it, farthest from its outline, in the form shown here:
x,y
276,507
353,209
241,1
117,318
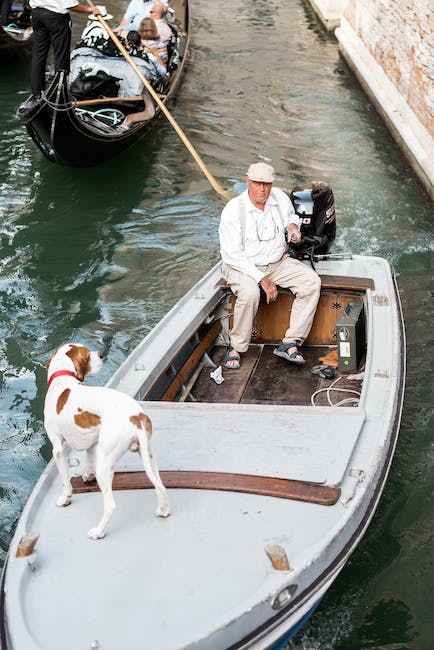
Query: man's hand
x,y
269,288
120,28
86,9
293,234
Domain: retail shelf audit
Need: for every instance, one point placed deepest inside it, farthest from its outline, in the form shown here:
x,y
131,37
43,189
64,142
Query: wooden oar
x,y
108,100
218,188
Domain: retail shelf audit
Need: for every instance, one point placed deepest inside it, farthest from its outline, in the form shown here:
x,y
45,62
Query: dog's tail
x,y
142,423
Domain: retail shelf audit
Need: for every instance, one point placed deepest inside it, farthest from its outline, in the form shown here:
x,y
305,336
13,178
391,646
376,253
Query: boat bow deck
x,y
216,438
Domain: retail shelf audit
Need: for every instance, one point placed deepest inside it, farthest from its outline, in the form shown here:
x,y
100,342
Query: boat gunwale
x,y
9,43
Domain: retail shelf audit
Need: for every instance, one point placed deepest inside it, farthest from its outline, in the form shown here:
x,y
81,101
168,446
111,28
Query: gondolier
x,y
253,232
51,26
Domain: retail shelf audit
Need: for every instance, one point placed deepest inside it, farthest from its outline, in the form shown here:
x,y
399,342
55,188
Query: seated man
x,y
157,14
253,231
136,11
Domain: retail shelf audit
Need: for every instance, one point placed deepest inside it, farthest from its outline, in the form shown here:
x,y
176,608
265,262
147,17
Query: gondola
x,y
88,132
273,477
16,36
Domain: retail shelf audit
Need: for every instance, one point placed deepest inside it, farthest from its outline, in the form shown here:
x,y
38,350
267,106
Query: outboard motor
x,y
316,208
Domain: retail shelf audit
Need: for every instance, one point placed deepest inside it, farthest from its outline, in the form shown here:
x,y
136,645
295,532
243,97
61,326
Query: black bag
x,y
94,86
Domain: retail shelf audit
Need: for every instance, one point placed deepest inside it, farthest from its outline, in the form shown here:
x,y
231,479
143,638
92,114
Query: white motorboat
x,y
273,462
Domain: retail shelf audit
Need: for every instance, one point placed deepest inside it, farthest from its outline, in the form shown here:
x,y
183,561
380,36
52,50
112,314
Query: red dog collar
x,y
60,373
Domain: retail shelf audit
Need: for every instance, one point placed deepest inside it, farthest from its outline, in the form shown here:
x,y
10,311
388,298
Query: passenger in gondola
x,y
15,18
151,40
134,42
136,48
157,14
51,27
136,11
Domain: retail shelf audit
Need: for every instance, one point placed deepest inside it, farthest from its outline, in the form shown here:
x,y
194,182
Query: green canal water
x,y
100,255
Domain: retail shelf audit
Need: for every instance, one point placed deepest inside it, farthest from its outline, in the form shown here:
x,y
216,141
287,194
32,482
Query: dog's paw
x,y
62,501
162,511
87,478
94,533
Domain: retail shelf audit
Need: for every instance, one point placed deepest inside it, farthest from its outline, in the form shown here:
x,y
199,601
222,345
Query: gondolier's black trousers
x,y
49,28
4,11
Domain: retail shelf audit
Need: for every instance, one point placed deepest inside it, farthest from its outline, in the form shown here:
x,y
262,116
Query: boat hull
x,y
14,45
201,579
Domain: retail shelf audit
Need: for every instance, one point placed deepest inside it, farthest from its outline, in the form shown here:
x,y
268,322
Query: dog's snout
x,y
101,355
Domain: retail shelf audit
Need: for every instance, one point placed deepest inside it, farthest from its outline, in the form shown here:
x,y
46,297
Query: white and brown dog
x,y
104,422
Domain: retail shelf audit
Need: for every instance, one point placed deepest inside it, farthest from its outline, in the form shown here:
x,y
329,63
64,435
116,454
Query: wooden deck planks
x,y
234,385
262,379
189,480
276,381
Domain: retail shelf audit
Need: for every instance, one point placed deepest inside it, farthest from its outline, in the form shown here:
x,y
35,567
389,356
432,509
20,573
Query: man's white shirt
x,y
58,6
264,235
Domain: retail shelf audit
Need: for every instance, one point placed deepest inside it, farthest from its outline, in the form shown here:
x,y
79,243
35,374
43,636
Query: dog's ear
x,y
80,357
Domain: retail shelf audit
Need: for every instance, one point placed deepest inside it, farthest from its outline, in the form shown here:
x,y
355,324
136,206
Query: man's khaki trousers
x,y
288,273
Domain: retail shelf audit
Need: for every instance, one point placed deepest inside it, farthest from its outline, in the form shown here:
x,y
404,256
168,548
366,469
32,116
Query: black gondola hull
x,y
68,138
12,46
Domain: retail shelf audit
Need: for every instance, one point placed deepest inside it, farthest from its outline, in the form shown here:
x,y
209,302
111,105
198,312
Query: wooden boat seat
x,y
189,480
330,282
271,320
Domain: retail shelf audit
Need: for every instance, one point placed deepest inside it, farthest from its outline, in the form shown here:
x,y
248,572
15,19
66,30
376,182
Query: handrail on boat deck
x,y
282,488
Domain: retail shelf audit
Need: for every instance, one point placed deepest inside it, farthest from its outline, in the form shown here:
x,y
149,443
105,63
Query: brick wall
x,y
400,36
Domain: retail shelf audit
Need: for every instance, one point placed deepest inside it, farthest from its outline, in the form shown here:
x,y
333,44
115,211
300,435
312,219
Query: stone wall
x,y
329,12
399,34
389,45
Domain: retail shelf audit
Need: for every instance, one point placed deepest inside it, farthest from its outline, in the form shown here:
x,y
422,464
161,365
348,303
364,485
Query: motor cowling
x,y
315,206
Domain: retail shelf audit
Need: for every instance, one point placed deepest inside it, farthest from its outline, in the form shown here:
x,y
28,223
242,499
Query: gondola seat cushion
x,y
83,58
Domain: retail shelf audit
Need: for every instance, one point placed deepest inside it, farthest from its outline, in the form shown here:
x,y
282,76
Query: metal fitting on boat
x,y
283,597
